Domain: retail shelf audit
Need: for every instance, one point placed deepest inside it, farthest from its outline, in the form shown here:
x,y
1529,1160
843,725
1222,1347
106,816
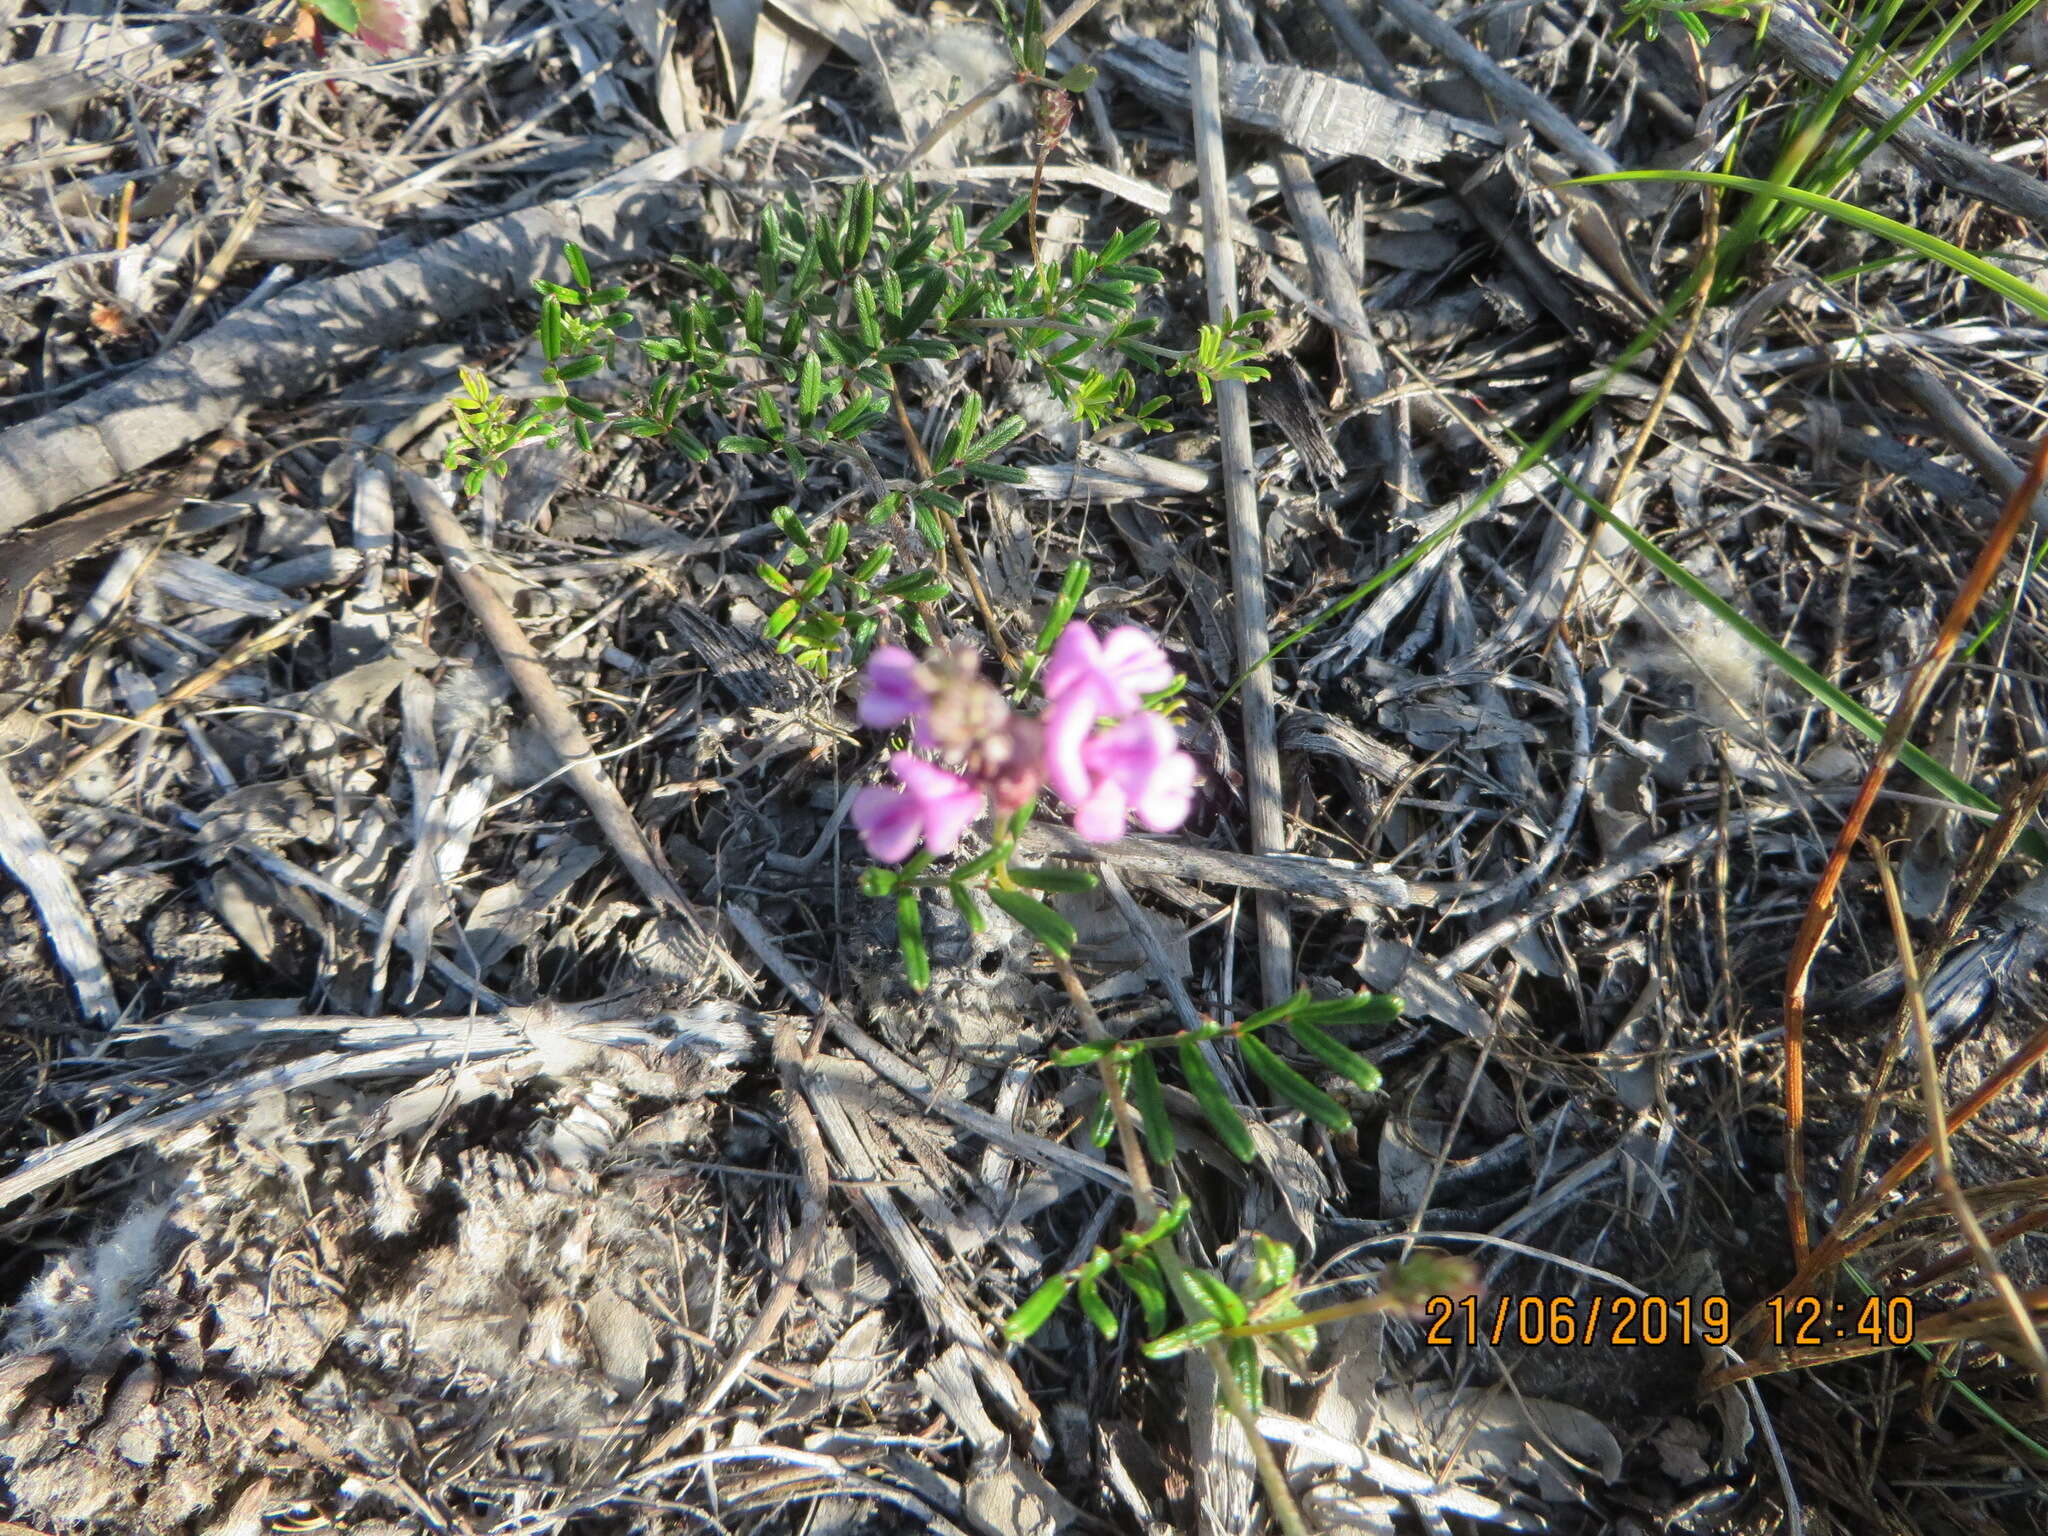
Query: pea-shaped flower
x,y
1134,767
1115,670
934,805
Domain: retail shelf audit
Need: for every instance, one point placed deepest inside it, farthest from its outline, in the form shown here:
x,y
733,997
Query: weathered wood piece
x,y
1316,113
280,350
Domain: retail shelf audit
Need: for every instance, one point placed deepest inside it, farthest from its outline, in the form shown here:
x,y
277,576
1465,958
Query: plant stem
x,y
1145,1196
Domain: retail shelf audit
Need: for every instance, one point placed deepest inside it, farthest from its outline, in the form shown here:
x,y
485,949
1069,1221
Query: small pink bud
x,y
389,26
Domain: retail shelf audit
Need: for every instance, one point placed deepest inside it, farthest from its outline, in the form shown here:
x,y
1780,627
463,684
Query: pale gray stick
x,y
1965,430
28,856
1241,513
1295,874
1666,850
893,1069
1337,284
1537,110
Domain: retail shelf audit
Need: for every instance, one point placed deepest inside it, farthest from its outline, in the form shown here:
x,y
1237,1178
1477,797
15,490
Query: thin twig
x,y
1241,513
557,723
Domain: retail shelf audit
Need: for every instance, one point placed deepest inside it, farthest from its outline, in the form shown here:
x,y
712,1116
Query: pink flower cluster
x,y
1102,751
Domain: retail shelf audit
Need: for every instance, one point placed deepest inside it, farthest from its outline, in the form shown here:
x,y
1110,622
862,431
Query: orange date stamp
x,y
1622,1321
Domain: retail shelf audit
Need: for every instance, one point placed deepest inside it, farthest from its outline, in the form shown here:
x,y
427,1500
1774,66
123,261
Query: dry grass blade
x,y
2025,1332
1821,907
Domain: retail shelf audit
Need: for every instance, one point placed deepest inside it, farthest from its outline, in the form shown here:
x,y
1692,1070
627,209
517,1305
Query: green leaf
x,y
1207,1294
792,527
783,616
573,253
1102,1124
922,304
1278,1011
810,387
551,329
1078,79
1362,1008
1272,1262
1292,1086
1243,1355
1216,1107
970,909
579,368
917,961
345,14
1044,924
1002,474
1339,1058
1051,878
1089,1293
864,313
1181,1340
1141,1274
860,225
1038,1308
740,442
876,881
997,227
1083,1055
1151,1106
587,410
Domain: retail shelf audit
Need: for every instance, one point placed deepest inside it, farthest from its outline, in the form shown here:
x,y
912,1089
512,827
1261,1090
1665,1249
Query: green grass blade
x,y
1824,692
2022,293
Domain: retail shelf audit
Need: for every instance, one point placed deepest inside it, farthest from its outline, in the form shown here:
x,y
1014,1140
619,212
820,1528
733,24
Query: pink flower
x,y
388,26
1135,766
933,804
893,693
1118,670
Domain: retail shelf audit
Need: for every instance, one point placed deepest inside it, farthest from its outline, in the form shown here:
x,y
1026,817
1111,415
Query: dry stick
x,y
1150,1208
2024,1331
1364,369
557,722
1241,513
1820,910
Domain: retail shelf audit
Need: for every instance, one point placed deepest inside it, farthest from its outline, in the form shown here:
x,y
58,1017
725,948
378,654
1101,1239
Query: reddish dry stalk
x,y
1820,910
1839,1243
